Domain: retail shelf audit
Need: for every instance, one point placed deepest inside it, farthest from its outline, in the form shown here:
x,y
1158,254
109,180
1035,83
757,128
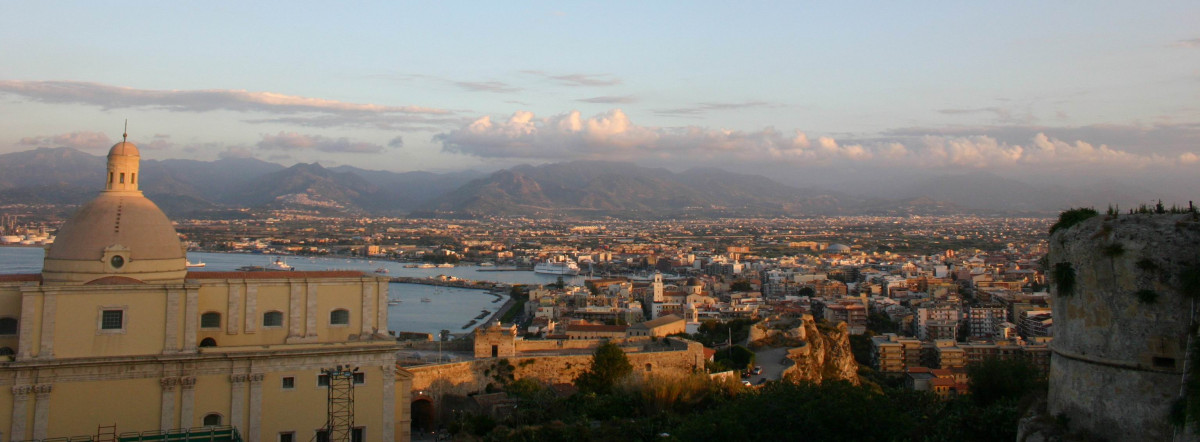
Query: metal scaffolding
x,y
339,425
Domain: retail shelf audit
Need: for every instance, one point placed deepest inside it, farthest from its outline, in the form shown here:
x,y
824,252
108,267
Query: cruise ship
x,y
567,267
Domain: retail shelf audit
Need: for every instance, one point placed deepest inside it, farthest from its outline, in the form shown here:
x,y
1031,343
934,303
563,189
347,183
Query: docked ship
x,y
567,267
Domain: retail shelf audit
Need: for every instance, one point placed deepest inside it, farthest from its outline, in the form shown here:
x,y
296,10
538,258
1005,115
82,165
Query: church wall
x,y
76,319
77,407
10,307
213,395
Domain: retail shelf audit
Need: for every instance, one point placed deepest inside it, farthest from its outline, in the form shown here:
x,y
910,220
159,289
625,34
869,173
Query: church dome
x,y
124,148
119,233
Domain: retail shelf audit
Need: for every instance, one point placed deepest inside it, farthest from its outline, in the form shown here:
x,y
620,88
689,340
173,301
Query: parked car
x,y
757,369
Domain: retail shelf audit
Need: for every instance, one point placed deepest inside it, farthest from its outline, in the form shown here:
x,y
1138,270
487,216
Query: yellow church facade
x,y
116,332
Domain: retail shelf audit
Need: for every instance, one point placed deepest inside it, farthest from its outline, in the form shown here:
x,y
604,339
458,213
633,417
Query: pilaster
x,y
251,307
166,414
191,319
389,402
26,346
20,411
381,325
233,311
49,307
171,338
256,398
311,310
187,404
237,406
368,301
295,308
41,410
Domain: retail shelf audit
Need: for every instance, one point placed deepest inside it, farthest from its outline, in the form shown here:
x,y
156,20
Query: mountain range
x,y
579,188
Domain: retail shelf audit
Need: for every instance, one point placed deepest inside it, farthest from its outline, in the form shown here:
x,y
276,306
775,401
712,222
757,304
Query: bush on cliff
x,y
1072,217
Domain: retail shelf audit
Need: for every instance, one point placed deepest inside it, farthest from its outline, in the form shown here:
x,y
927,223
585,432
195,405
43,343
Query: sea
x,y
449,308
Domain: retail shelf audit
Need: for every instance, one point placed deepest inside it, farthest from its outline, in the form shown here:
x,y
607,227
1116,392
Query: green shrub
x,y
1072,217
1147,265
1114,250
1064,278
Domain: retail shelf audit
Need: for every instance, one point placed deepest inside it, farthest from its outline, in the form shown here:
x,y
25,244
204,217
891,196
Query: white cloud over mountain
x,y
613,135
291,141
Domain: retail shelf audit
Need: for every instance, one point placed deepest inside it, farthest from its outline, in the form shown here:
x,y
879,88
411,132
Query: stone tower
x,y
1122,322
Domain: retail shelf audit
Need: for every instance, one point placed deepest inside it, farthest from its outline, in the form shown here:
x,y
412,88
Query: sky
x,y
830,93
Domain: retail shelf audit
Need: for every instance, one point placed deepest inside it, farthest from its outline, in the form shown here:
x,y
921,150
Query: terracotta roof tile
x,y
277,274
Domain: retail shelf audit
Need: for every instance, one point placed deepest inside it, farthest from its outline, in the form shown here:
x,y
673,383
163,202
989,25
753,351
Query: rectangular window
x,y
289,382
322,380
112,320
322,436
358,434
287,436
122,177
360,378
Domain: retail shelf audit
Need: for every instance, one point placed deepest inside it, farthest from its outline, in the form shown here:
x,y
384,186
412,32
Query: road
x,y
772,360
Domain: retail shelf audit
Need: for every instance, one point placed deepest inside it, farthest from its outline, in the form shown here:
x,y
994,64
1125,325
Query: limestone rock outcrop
x,y
823,353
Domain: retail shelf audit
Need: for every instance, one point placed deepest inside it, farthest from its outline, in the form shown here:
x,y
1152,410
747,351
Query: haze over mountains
x,y
581,188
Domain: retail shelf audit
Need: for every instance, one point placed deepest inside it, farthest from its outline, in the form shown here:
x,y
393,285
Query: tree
x,y
741,286
609,364
997,379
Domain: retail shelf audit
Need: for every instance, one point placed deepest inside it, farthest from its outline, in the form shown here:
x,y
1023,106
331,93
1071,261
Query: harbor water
x,y
446,308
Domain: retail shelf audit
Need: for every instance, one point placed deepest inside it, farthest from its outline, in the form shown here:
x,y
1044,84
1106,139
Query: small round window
x,y
117,261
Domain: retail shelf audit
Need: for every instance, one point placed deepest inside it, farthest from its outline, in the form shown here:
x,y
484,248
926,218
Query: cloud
x,y
486,86
610,100
76,140
1193,43
578,79
116,97
1002,115
291,141
614,136
235,152
407,122
397,142
702,108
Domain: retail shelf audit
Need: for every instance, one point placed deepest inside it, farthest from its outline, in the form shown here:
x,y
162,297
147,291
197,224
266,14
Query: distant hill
x,y
67,176
623,188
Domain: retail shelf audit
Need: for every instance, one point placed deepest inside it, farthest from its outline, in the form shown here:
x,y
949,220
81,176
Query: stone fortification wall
x,y
464,378
1121,322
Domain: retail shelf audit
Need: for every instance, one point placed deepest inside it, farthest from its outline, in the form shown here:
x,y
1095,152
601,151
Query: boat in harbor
x,y
393,301
197,264
278,264
381,270
426,300
564,267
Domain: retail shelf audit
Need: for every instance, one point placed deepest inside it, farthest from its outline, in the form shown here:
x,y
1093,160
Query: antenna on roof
x,y
125,135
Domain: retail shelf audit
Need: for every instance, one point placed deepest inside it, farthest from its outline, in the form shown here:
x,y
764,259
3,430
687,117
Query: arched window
x,y
340,316
273,319
8,326
212,420
210,320
7,351
208,342
122,177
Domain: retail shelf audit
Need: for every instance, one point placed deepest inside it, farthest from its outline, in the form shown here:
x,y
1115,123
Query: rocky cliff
x,y
818,353
1124,289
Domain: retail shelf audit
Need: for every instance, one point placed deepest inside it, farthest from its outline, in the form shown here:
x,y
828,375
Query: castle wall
x,y
1118,361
